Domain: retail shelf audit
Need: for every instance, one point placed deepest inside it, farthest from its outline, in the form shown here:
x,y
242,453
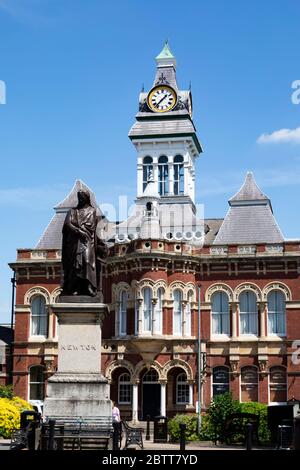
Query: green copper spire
x,y
165,53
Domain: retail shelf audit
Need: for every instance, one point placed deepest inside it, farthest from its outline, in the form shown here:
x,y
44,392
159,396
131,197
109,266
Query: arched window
x,y
123,313
220,380
220,313
278,384
178,175
159,310
124,389
163,175
188,315
39,316
147,170
182,390
147,309
276,313
177,312
36,383
248,313
249,384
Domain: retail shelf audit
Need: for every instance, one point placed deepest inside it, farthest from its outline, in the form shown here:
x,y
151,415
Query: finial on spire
x,y
143,88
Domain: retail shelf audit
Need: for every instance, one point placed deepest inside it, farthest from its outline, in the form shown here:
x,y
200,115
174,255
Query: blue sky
x,y
73,70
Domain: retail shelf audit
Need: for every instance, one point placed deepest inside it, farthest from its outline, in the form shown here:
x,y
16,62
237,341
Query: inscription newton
x,y
80,347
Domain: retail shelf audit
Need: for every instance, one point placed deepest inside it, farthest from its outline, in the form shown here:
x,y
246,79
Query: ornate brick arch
x,y
190,287
177,363
54,294
116,365
117,288
219,287
34,291
144,365
177,285
247,286
276,286
142,284
160,284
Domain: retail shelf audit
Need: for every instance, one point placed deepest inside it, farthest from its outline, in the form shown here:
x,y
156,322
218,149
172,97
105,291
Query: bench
x,y
133,436
80,433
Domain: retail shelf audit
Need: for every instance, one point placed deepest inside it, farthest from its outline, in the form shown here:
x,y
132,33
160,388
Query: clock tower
x,y
165,137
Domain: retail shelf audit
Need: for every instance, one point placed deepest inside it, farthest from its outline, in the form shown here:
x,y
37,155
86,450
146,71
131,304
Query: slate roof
x,y
250,218
52,236
249,191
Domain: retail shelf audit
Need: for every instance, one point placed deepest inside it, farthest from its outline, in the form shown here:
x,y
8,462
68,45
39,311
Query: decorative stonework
x,y
177,363
276,286
118,288
116,365
216,288
38,254
160,285
219,250
234,365
247,250
274,248
55,294
38,290
147,365
263,366
247,287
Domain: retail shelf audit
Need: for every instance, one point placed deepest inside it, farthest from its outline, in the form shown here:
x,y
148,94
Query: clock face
x,y
162,98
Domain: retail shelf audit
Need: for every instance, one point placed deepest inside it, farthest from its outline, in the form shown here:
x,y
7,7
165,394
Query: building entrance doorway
x,y
150,395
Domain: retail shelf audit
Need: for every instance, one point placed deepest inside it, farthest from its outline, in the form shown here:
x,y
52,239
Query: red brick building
x,y
160,259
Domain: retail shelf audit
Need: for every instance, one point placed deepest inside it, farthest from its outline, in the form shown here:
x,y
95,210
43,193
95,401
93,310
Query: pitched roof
x,y
165,53
51,239
250,218
249,191
71,199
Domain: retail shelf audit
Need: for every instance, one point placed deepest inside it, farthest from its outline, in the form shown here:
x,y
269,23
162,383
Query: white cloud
x,y
281,136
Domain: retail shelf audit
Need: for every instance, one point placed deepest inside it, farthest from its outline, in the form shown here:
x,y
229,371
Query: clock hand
x,y
161,100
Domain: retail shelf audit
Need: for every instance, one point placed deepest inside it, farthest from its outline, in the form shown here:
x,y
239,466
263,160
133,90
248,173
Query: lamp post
x,y
199,362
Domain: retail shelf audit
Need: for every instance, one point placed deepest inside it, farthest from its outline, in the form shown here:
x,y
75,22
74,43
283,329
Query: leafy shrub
x,y
219,410
9,417
10,410
260,409
6,391
191,423
21,404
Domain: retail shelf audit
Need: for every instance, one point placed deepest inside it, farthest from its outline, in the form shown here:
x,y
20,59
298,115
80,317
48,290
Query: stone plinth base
x,y
85,395
78,389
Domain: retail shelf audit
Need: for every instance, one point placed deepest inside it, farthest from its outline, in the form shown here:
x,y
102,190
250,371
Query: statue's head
x,y
83,197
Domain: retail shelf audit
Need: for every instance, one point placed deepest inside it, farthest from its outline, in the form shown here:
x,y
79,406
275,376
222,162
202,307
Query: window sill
x,y
220,337
37,339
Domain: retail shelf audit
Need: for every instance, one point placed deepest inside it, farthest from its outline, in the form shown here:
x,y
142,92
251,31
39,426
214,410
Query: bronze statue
x,y
83,252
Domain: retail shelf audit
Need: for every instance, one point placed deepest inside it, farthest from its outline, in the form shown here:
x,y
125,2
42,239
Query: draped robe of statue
x,y
79,250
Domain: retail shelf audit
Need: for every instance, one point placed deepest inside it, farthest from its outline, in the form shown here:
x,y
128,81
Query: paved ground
x,y
150,445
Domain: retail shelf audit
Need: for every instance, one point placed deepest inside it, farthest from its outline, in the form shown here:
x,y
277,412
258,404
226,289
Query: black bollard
x,y
51,434
296,440
182,427
116,435
249,436
148,428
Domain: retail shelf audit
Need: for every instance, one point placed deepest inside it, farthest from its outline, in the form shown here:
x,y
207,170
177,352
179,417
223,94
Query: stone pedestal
x,y
78,388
